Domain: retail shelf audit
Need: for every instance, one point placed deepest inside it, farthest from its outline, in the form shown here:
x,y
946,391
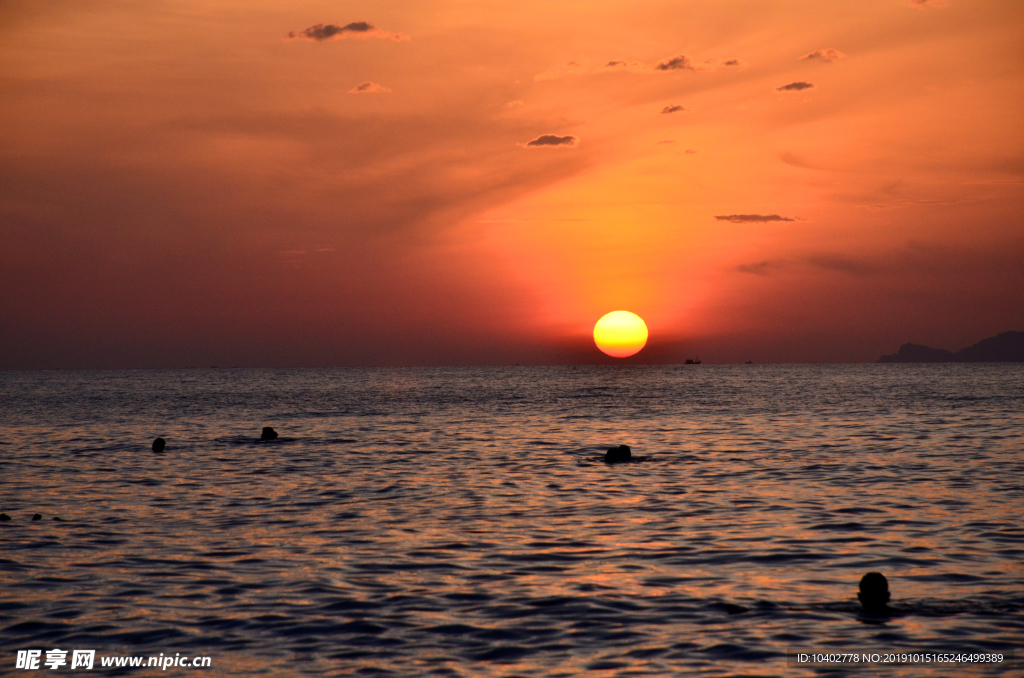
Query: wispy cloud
x,y
794,160
927,4
574,68
369,88
799,161
835,263
827,55
676,63
672,109
842,264
751,218
680,62
734,63
761,267
356,29
547,140
794,87
622,66
570,68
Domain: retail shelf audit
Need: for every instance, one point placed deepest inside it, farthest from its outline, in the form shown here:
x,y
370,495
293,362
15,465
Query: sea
x,y
463,521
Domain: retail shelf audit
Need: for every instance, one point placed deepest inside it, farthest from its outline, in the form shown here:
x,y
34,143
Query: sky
x,y
431,182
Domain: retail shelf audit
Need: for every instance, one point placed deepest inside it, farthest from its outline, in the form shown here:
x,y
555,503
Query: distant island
x,y
1007,347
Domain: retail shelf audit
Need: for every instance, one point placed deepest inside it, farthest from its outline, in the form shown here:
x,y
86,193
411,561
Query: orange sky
x,y
320,183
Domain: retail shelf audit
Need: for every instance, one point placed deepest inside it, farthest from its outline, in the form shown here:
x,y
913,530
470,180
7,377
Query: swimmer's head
x,y
874,592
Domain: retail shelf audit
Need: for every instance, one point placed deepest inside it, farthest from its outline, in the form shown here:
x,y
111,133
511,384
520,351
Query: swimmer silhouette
x,y
874,594
268,433
159,444
615,455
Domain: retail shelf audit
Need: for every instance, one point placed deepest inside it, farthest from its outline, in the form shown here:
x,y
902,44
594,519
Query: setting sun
x,y
620,334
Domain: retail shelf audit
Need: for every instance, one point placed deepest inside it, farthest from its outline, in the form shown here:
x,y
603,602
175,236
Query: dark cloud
x,y
924,4
325,31
362,29
827,55
552,140
751,218
369,88
620,66
733,62
675,63
794,87
672,109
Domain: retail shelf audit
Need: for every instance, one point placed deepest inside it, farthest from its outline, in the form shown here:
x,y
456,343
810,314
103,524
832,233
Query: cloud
x,y
925,4
368,88
751,218
690,151
1007,165
570,68
672,109
834,263
760,267
577,69
676,63
800,161
552,140
734,63
842,264
796,161
827,55
514,104
356,29
794,87
619,66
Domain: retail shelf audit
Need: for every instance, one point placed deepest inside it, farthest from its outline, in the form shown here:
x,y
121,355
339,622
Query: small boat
x,y
692,361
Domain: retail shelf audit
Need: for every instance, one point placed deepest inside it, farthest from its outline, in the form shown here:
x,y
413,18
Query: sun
x,y
620,334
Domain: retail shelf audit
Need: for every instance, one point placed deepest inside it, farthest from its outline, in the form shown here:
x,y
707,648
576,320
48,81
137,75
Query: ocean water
x,y
461,522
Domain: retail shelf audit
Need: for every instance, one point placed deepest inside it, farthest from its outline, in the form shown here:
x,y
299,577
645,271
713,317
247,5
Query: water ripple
x,y
462,522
